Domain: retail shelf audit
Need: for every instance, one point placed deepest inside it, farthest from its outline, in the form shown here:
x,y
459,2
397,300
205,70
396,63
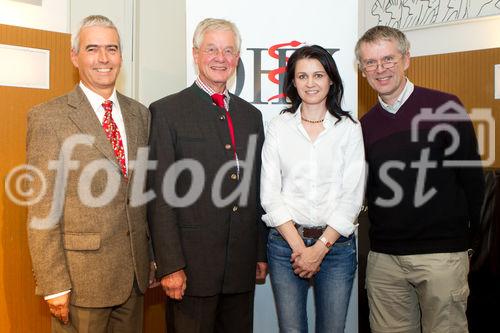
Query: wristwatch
x,y
325,241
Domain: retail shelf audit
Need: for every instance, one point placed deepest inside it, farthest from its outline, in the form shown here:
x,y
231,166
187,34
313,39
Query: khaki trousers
x,y
417,293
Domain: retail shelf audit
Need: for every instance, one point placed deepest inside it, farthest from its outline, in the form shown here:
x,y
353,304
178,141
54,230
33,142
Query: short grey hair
x,y
382,32
212,24
93,21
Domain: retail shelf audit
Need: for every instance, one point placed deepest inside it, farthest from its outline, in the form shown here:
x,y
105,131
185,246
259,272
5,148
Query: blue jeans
x,y
332,285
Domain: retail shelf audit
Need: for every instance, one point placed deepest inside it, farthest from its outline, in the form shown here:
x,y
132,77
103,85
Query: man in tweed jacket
x,y
88,243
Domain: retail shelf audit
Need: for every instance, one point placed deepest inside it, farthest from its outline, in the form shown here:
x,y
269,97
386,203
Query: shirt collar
x,y
95,99
206,88
403,97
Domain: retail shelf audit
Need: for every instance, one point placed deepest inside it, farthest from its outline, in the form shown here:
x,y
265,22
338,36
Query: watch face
x,y
326,242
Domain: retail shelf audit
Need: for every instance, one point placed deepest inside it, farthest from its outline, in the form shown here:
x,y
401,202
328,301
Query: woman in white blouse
x,y
312,187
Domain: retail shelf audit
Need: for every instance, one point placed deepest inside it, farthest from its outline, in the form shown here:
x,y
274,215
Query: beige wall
x,y
161,48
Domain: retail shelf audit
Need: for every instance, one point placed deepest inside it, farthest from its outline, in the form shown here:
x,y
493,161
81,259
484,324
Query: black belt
x,y
310,232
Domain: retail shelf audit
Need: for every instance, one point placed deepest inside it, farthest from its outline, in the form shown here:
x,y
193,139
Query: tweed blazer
x,y
96,251
217,245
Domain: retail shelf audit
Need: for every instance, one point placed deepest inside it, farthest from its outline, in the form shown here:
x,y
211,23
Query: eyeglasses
x,y
228,52
386,63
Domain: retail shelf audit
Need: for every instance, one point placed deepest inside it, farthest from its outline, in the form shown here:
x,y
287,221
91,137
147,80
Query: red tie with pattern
x,y
114,136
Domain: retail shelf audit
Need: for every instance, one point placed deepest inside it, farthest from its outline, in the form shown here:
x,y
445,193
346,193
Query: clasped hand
x,y
307,261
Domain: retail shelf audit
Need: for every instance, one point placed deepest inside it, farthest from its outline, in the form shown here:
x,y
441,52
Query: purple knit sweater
x,y
414,208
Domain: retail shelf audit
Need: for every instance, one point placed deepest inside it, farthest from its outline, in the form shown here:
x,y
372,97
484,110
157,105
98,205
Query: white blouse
x,y
313,183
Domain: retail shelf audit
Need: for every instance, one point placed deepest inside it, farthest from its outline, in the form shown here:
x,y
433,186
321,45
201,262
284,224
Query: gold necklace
x,y
312,121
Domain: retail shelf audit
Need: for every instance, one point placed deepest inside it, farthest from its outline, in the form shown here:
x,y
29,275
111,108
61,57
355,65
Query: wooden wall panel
x,y
20,309
469,75
154,311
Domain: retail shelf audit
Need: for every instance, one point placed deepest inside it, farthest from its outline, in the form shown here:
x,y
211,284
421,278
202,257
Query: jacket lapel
x,y
243,126
129,118
85,119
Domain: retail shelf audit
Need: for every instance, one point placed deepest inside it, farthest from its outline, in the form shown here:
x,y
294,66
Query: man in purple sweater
x,y
424,193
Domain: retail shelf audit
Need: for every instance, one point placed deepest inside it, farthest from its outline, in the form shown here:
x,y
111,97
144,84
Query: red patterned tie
x,y
114,136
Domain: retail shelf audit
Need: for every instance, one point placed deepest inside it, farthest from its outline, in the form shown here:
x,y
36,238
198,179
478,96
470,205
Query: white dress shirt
x,y
313,183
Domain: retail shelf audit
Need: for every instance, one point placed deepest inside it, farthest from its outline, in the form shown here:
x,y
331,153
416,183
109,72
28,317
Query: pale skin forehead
x,y
309,65
379,48
98,36
210,37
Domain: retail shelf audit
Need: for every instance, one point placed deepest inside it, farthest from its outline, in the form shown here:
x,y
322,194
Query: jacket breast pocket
x,y
86,241
192,146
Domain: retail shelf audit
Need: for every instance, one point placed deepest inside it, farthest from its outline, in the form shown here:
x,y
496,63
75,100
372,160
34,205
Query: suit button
x,y
128,232
227,146
234,176
128,201
235,208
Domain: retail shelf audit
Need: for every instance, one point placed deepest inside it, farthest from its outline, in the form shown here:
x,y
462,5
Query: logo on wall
x,y
280,52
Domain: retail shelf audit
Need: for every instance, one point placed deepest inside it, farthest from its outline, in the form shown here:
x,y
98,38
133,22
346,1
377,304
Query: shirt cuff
x,y
342,225
277,217
56,295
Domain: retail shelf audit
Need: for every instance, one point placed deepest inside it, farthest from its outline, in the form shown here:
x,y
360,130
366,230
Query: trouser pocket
x,y
458,306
